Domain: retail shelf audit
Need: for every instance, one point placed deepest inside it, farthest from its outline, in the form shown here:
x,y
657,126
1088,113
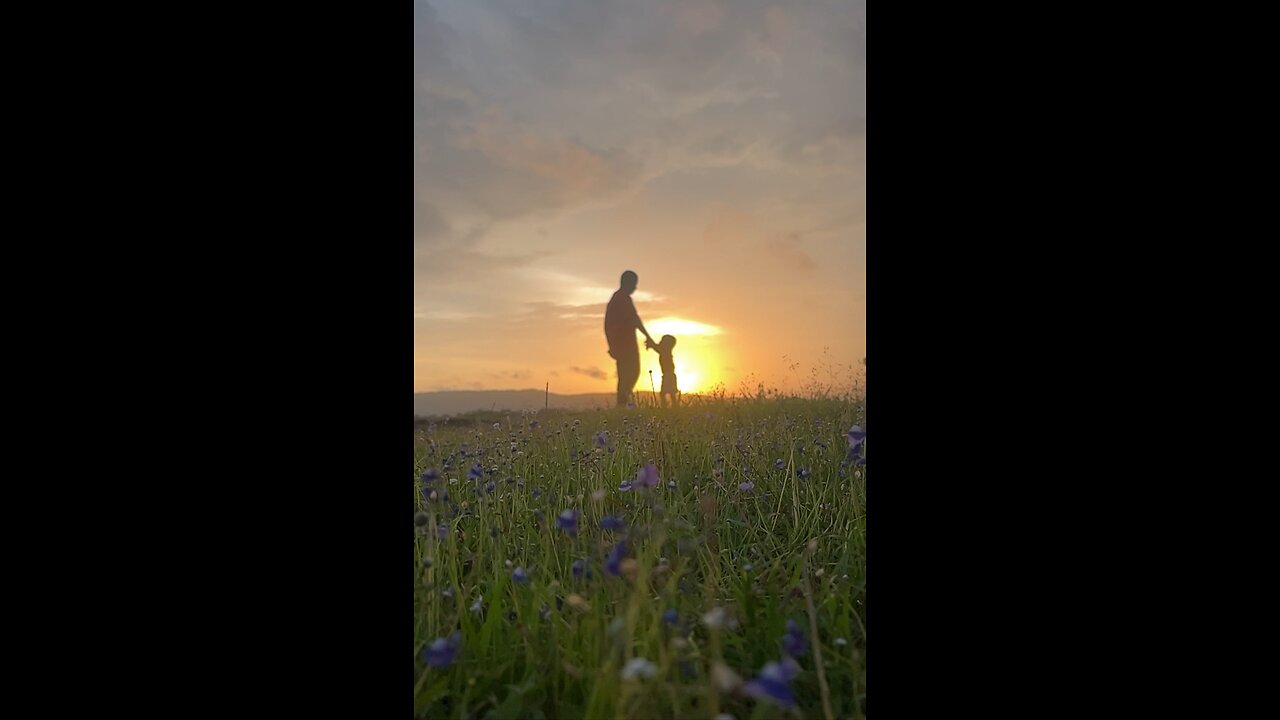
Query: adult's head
x,y
629,280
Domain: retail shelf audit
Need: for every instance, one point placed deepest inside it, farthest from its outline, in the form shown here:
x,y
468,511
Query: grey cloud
x,y
593,372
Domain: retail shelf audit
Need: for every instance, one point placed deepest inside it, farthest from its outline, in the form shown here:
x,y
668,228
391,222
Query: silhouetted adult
x,y
620,324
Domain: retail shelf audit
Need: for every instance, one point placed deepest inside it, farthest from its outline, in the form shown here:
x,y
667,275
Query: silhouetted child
x,y
668,364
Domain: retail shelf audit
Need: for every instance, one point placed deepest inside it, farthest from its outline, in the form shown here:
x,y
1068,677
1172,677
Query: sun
x,y
694,354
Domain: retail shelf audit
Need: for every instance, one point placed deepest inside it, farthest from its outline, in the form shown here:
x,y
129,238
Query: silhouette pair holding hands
x,y
620,324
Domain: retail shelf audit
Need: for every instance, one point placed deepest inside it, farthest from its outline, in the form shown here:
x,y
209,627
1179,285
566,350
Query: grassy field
x,y
552,581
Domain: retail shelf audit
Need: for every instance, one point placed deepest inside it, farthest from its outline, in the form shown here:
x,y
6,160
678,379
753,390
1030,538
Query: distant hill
x,y
455,402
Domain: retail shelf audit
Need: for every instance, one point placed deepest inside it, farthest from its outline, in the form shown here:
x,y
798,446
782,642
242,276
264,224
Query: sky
x,y
715,148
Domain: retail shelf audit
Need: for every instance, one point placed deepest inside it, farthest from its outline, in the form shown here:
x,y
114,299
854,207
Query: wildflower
x,y
793,642
638,668
426,561
774,683
624,487
598,495
629,568
477,607
442,652
578,603
648,476
614,559
429,476
724,678
497,426
533,424
544,612
580,568
476,472
611,522
778,464
841,642
671,485
420,519
602,439
519,575
746,486
856,437
447,593
714,618
442,531
670,617
803,473
568,521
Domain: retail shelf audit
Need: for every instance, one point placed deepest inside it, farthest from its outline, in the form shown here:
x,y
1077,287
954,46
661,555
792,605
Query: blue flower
x,y
519,575
746,486
610,522
856,436
602,439
671,485
793,642
537,491
429,476
774,683
614,561
581,568
803,473
778,464
442,652
648,476
671,617
476,472
624,487
568,521
442,531
489,487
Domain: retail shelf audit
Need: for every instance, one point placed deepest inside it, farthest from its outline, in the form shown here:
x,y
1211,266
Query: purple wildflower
x,y
614,561
670,617
793,642
442,652
671,485
746,486
537,491
602,439
774,683
856,436
803,473
581,568
611,522
429,476
568,521
476,472
624,487
648,476
519,575
442,531
778,464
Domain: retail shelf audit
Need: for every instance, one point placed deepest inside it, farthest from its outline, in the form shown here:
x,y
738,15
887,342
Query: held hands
x,y
650,344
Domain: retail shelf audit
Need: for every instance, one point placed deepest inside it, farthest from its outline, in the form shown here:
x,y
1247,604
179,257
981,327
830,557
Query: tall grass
x,y
793,547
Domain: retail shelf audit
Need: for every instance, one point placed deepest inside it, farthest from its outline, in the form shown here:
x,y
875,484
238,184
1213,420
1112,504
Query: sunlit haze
x,y
717,149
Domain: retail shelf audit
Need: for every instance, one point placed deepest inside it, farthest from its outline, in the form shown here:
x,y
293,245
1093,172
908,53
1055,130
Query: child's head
x,y
667,343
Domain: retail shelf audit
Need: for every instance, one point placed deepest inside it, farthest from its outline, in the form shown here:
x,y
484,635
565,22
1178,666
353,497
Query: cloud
x,y
592,371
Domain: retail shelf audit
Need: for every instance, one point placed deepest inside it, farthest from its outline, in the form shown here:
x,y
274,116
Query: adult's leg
x,y
628,373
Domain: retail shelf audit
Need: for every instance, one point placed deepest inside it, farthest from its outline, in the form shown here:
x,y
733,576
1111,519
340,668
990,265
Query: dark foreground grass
x,y
750,550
